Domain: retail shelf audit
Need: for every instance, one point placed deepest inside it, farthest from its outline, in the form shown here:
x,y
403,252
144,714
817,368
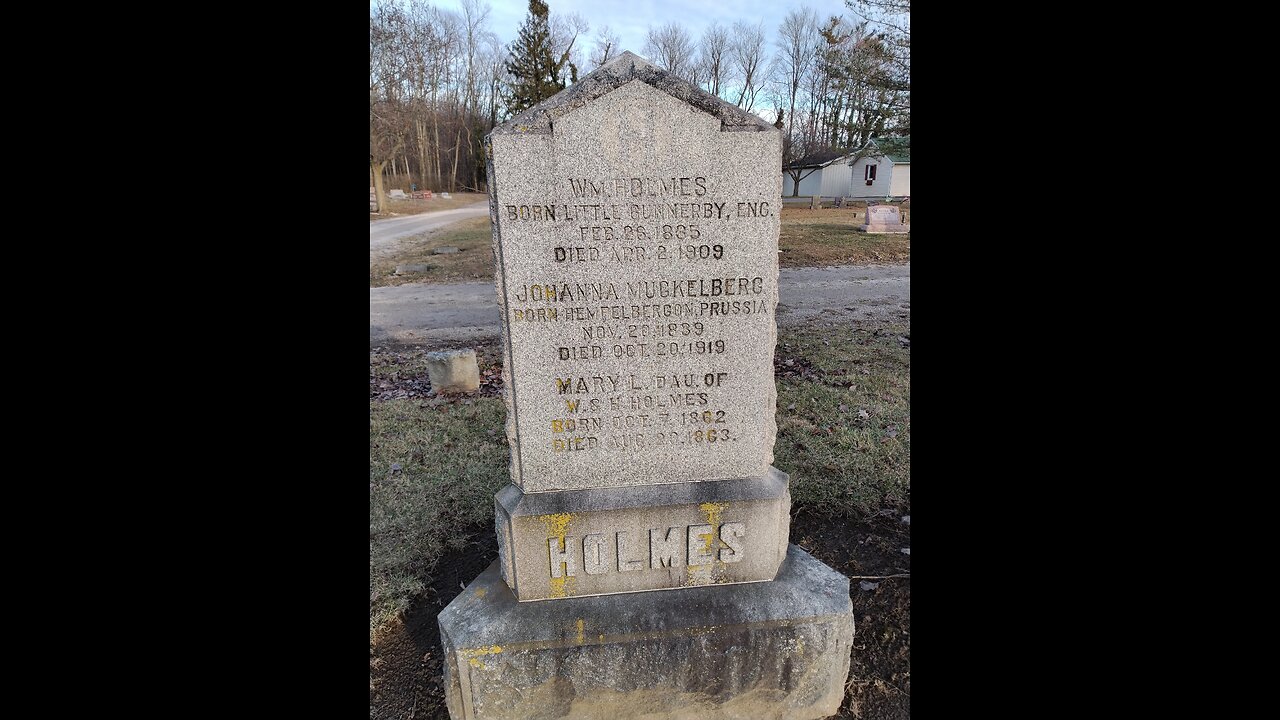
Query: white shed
x,y
885,173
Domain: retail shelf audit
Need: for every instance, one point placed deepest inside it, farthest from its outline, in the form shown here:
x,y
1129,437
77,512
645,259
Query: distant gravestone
x,y
883,219
839,201
815,202
410,268
445,196
636,235
398,194
446,250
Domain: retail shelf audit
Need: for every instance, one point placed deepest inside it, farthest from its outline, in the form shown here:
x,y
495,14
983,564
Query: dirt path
x,y
424,313
385,234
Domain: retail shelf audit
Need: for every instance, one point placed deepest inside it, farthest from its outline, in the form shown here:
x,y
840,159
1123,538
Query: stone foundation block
x,y
760,651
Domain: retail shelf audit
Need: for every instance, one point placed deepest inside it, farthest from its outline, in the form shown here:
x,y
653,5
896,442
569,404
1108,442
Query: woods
x,y
441,77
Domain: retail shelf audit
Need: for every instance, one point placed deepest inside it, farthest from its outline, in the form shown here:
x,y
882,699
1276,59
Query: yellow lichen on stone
x,y
557,587
472,655
581,635
557,525
563,587
713,511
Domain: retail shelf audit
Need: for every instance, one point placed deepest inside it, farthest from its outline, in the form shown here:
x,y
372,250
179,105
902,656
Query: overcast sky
x,y
629,19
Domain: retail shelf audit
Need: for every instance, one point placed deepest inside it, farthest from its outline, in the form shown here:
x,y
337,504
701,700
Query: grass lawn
x,y
844,436
474,240
814,238
810,238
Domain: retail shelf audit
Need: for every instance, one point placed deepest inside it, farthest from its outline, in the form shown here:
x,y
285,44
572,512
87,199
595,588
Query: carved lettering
x,y
593,554
562,557
700,540
665,551
624,564
732,534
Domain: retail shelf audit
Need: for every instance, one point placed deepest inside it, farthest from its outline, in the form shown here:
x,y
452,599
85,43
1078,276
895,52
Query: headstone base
x,y
885,228
769,650
642,537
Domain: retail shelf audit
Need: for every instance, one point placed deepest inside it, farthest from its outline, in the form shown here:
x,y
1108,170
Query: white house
x,y
885,173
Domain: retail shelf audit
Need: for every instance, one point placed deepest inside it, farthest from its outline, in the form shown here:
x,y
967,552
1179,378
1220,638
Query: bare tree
x,y
892,20
797,47
387,75
565,31
713,57
433,93
671,48
606,49
748,56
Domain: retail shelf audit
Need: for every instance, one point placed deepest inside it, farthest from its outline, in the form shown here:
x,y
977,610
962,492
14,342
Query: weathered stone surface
x,y
397,194
763,651
409,268
453,371
636,224
574,543
446,250
884,219
815,203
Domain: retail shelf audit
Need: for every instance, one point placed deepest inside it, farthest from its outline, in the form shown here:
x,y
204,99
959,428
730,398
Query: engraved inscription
x,y
691,545
731,534
624,551
665,550
700,537
594,560
561,557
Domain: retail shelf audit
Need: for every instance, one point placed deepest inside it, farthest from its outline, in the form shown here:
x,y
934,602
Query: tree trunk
x,y
437,131
422,157
457,153
378,194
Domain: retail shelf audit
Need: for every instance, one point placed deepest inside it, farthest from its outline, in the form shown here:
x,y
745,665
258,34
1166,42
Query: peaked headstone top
x,y
618,72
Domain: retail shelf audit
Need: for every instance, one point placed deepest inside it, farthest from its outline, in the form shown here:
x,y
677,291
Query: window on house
x,y
869,174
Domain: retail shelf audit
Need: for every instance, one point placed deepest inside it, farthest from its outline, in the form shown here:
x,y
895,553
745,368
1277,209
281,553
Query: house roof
x,y
897,149
821,158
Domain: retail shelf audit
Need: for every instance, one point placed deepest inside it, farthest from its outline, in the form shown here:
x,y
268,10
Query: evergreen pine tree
x,y
538,74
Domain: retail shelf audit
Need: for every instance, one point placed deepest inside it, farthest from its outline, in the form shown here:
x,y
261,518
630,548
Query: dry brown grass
x,y
474,240
413,207
829,236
